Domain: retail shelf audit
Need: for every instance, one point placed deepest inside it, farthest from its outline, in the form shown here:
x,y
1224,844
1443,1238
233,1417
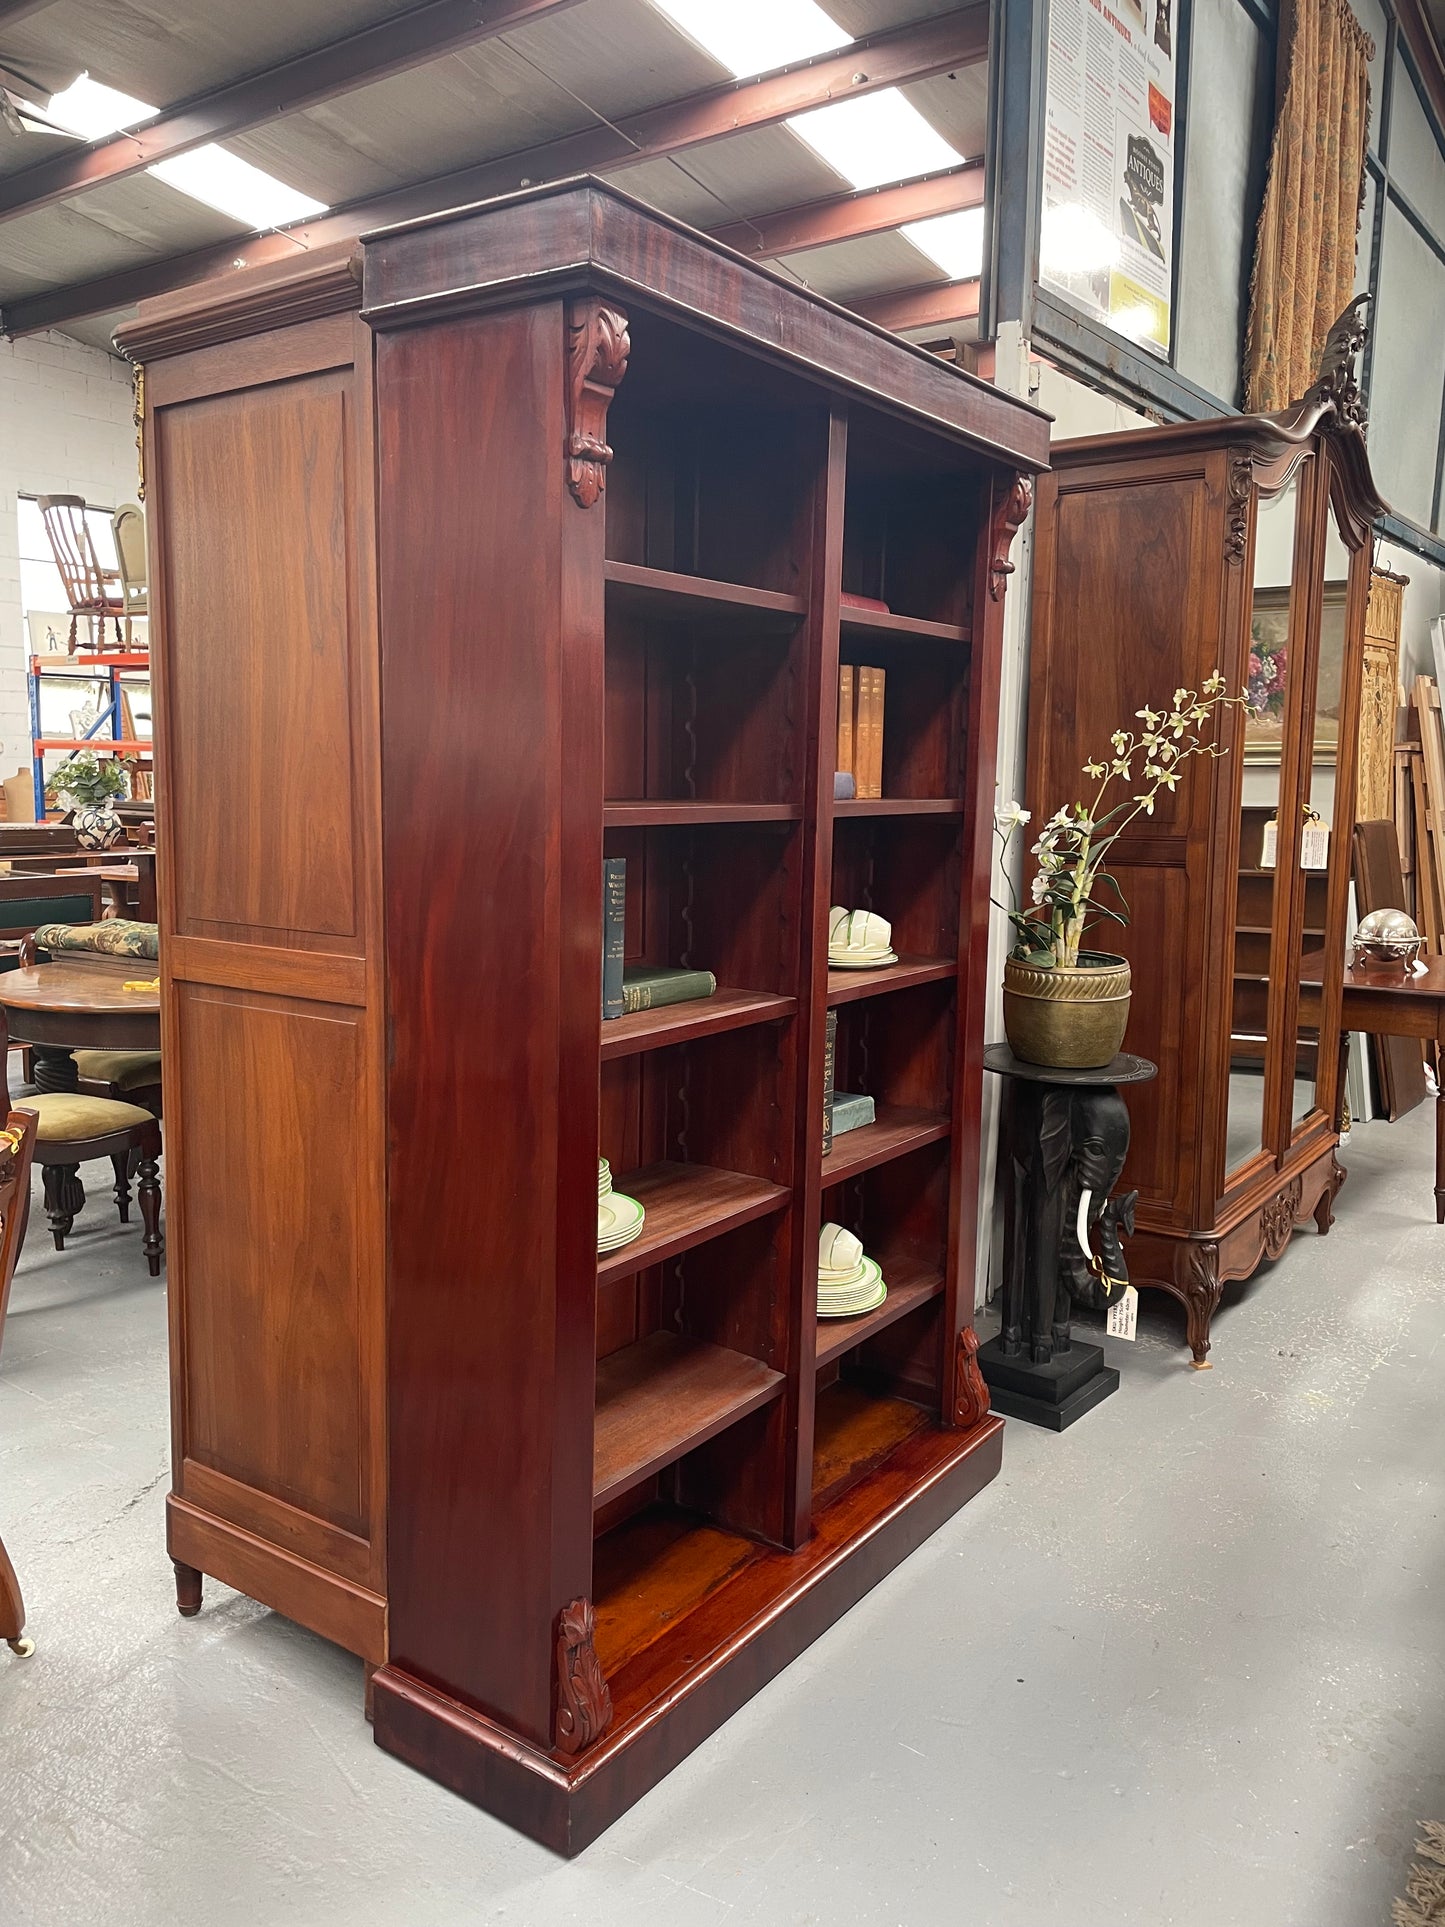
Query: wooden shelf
x,y
898,806
894,1132
909,1286
881,623
661,592
848,986
680,1023
663,1396
686,1204
643,813
112,745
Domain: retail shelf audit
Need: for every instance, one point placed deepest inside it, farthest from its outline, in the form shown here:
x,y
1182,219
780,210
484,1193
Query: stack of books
x,y
860,727
619,1219
630,987
849,1283
858,940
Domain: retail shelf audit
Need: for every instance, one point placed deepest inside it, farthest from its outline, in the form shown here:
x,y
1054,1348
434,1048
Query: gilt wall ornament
x,y
597,349
584,1705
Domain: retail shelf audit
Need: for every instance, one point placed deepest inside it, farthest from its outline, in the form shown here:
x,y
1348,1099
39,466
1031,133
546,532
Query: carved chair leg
x,y
121,1162
59,1207
188,1590
150,1211
12,1609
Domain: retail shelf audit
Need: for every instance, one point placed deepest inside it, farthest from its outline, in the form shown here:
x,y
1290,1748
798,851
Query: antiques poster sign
x,y
1107,234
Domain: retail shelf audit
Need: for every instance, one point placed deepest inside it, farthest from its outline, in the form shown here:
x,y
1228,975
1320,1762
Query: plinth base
x,y
1053,1395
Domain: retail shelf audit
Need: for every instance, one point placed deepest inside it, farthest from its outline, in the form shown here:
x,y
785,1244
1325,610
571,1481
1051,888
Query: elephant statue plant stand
x,y
1062,1148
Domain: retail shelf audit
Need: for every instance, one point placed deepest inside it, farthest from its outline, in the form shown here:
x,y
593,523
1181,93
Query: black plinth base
x,y
1054,1395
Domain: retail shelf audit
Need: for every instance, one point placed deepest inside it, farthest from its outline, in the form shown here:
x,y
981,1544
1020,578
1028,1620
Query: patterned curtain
x,y
1304,259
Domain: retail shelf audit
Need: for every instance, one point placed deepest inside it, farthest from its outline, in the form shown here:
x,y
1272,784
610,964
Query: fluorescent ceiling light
x,y
954,241
90,110
210,174
874,139
226,182
754,36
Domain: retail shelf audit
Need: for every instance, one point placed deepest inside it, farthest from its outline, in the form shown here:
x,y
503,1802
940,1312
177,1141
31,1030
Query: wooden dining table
x,y
1391,1001
80,1002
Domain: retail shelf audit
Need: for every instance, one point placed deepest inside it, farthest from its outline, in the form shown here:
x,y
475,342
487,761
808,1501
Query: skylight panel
x,y
87,108
954,241
875,139
226,182
754,36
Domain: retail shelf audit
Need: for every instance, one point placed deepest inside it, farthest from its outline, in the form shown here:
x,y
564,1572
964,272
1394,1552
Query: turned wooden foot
x,y
150,1211
64,1199
188,1590
12,1609
121,1163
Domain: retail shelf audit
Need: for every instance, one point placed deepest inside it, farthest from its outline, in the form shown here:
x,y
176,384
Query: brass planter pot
x,y
1067,1019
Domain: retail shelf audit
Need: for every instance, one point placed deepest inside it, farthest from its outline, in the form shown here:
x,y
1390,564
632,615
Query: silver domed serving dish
x,y
1387,937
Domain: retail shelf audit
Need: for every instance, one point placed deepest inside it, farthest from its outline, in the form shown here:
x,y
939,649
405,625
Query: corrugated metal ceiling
x,y
598,61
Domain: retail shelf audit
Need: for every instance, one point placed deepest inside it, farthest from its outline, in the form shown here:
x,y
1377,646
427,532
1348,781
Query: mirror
x,y
1266,681
1320,824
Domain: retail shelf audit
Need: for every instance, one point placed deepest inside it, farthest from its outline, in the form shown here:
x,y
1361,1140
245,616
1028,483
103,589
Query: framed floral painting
x,y
1267,675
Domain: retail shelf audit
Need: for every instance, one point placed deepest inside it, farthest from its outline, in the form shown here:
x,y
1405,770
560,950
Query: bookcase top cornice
x,y
587,233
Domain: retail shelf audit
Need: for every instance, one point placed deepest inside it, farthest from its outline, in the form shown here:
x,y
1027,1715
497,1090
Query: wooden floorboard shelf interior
x,y
896,1130
898,806
668,1583
663,1396
686,1204
869,624
680,1023
848,986
662,592
909,1286
644,813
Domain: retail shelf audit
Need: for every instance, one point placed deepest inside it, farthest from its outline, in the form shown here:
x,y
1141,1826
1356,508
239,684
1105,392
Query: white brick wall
x,y
65,429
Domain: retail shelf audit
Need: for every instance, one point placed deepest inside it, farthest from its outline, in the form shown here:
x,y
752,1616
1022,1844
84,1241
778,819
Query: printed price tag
x,y
1124,1314
1315,847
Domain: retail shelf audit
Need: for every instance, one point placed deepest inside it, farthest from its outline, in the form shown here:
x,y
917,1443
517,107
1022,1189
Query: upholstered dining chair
x,y
17,1142
130,1076
128,525
90,588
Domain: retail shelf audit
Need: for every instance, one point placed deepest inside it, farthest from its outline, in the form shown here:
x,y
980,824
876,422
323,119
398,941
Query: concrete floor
x,y
1182,1665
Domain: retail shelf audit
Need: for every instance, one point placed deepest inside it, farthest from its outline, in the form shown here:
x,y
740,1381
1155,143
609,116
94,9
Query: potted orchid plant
x,y
1066,1006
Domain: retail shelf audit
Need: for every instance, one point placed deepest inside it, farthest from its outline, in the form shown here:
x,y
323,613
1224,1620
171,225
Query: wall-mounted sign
x,y
1107,233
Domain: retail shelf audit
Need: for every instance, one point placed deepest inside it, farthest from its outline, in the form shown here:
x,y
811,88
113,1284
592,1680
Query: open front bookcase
x,y
578,515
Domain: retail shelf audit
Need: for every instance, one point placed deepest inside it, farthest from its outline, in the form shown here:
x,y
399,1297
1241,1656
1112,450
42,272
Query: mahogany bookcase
x,y
425,651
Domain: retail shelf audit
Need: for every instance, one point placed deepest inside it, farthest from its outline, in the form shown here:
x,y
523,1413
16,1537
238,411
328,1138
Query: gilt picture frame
x,y
1266,675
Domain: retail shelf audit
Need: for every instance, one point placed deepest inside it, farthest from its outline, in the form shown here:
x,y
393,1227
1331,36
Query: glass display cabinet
x,y
1161,555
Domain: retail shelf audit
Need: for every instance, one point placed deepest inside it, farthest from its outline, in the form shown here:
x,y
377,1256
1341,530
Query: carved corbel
x,y
1239,486
1008,517
597,349
584,1705
970,1394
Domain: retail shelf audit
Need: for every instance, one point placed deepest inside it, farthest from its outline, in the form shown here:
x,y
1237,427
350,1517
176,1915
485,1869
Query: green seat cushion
x,y
118,938
129,1069
66,1118
26,913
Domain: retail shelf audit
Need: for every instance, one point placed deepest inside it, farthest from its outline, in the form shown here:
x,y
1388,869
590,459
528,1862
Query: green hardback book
x,y
644,988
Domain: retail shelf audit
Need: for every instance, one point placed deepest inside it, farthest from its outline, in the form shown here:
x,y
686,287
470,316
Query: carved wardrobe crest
x,y
597,349
584,1705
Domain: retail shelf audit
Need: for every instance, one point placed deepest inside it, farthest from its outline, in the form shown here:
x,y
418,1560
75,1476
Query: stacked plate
x,y
848,1282
858,940
619,1218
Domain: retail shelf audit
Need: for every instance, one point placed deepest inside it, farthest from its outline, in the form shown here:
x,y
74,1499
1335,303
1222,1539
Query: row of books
x,y
860,727
630,987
